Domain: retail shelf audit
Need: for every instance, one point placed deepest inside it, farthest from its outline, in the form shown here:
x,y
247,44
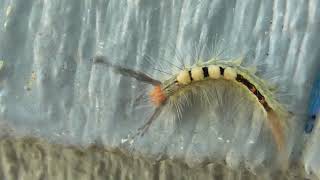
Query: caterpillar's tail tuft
x,y
277,129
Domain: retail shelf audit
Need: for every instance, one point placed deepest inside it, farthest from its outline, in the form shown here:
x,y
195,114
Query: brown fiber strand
x,y
276,129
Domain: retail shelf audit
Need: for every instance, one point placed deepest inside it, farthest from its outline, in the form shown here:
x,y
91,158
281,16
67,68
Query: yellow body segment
x,y
184,78
230,74
197,74
214,71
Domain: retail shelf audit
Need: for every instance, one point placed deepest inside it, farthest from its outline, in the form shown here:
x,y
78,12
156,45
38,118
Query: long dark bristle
x,y
140,76
142,130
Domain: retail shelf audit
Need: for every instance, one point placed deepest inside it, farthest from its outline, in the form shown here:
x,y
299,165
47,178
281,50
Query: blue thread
x,y
314,106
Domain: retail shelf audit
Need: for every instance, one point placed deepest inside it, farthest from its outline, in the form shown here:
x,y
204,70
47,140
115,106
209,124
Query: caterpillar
x,y
167,92
314,106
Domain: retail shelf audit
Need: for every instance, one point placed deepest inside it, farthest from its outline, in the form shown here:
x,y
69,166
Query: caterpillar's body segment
x,y
210,71
314,106
216,70
231,72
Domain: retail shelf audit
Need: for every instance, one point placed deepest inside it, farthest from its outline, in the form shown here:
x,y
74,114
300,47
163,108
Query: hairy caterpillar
x,y
314,106
169,91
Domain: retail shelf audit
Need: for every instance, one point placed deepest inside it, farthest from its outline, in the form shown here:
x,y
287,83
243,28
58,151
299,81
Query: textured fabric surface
x,y
51,89
33,159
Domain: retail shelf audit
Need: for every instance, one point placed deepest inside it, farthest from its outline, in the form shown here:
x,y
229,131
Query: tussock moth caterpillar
x,y
172,91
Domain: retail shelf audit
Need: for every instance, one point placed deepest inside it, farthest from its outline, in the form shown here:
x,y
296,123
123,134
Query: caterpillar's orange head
x,y
157,95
